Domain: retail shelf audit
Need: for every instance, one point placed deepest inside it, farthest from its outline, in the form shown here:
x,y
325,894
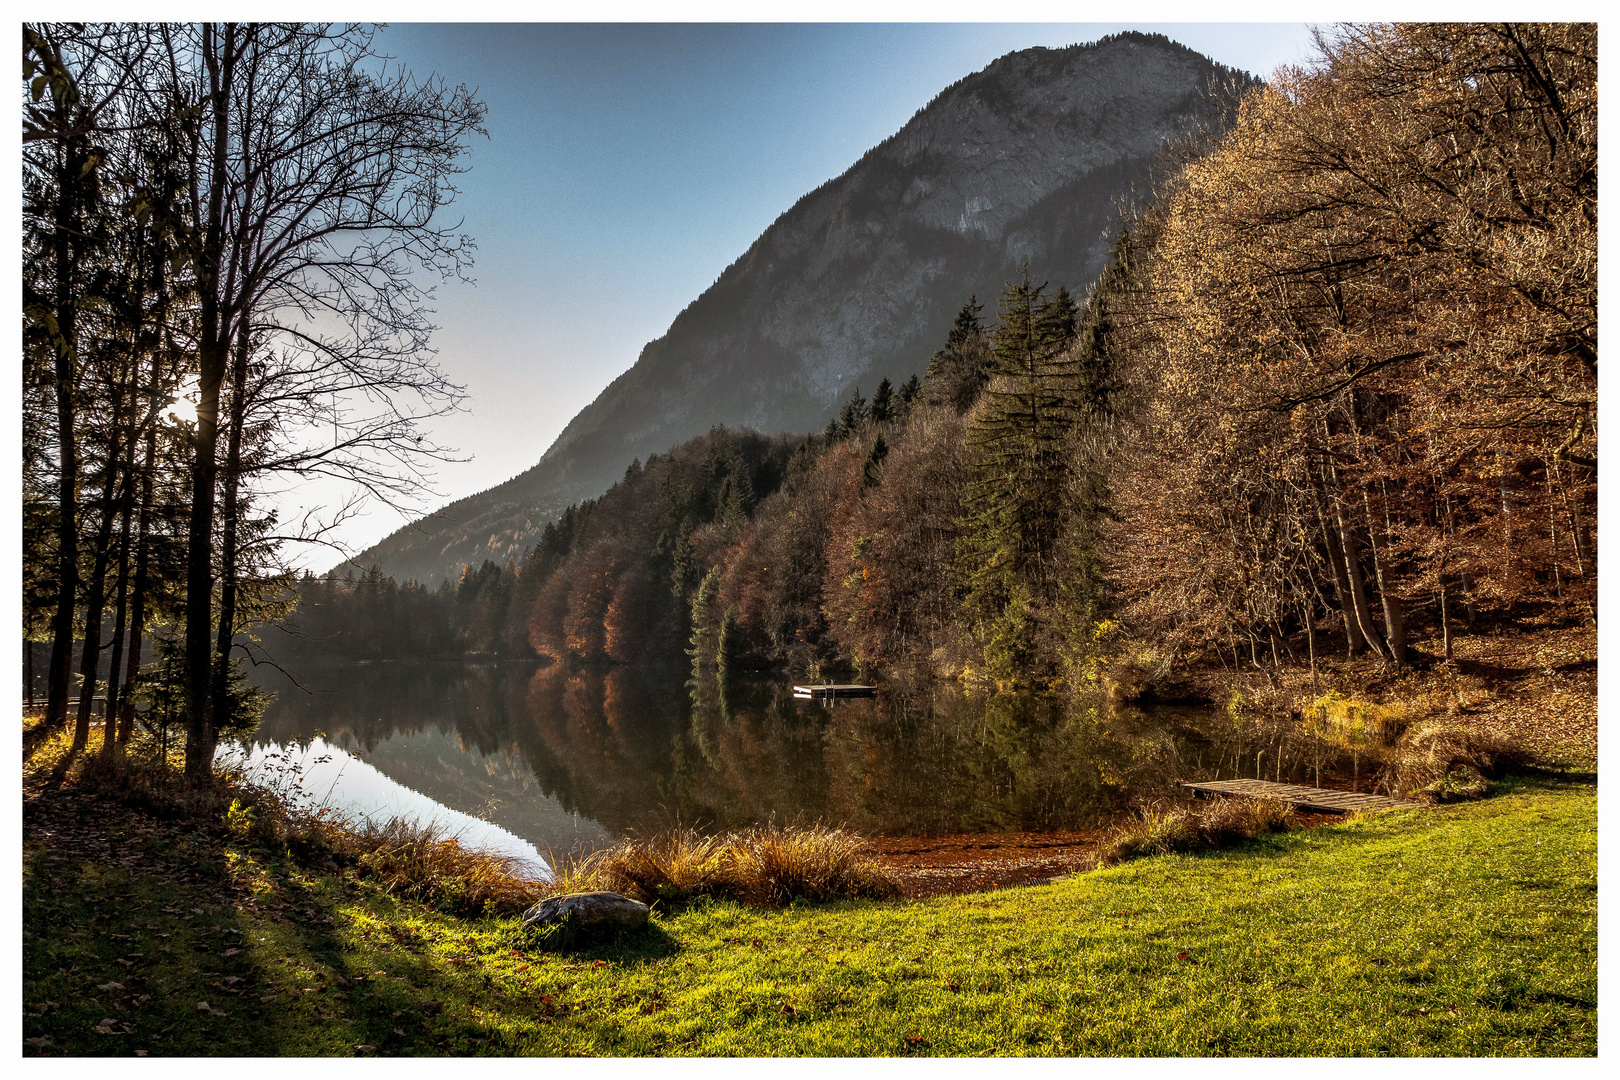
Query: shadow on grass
x,y
624,947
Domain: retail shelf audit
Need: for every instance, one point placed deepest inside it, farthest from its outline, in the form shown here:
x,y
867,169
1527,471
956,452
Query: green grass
x,y
1464,930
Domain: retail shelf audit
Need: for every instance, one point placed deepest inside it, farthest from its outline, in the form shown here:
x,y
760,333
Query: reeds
x,y
1168,830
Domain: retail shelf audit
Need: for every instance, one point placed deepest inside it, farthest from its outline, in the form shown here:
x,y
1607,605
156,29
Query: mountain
x,y
1025,161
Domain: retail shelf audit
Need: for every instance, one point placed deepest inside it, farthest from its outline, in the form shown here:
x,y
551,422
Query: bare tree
x,y
316,173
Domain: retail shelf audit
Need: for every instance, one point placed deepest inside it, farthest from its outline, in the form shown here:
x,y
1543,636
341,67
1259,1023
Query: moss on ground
x,y
1465,930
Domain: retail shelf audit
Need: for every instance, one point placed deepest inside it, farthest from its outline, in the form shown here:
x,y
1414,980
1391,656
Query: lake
x,y
535,760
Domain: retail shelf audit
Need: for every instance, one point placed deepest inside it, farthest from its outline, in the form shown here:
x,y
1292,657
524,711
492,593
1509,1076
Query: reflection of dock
x,y
1306,798
833,690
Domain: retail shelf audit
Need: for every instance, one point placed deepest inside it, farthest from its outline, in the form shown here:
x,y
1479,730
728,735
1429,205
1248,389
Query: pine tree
x,y
727,646
883,403
958,372
1006,558
870,475
704,644
854,414
908,394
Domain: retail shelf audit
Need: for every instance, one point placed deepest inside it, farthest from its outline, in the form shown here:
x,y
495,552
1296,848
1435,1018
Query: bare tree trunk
x,y
95,599
1445,619
229,514
120,609
1394,618
67,533
214,339
1310,637
1341,583
137,621
1358,594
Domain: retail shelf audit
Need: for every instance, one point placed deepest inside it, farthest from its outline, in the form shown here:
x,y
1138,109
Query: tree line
x,y
228,231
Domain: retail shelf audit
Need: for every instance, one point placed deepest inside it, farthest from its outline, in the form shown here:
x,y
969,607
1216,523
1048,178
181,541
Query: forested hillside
x,y
1335,390
1027,160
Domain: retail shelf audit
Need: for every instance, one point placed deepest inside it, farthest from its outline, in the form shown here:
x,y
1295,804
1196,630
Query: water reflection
x,y
320,774
566,759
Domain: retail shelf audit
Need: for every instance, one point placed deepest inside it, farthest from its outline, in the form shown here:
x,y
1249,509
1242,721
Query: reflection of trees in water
x,y
640,749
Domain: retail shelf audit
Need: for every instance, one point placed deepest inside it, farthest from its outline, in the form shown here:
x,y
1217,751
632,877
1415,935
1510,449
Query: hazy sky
x,y
628,165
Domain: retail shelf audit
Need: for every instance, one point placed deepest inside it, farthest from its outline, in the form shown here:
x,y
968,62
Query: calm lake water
x,y
537,760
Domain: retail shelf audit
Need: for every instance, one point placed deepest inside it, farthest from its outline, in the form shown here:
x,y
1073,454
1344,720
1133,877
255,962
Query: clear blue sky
x,y
628,165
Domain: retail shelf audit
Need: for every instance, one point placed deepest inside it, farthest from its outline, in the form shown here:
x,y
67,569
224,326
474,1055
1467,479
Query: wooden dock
x,y
833,690
1320,800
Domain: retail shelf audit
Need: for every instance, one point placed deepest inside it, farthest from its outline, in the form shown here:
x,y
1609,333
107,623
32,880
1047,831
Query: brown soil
x,y
979,862
974,862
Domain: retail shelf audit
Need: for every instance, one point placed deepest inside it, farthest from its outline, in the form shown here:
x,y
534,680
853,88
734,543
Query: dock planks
x,y
1320,800
830,690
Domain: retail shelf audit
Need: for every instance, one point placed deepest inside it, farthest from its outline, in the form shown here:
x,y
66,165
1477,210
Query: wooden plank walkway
x,y
1320,800
834,690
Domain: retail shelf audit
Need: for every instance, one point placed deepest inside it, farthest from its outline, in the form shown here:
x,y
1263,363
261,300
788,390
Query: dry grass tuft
x,y
1231,821
1441,762
419,861
1165,831
766,866
674,867
774,865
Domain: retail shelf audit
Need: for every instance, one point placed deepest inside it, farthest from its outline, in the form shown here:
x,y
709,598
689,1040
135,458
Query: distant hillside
x,y
1025,160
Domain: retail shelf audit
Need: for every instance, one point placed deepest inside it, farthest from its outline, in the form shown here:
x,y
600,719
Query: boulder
x,y
590,913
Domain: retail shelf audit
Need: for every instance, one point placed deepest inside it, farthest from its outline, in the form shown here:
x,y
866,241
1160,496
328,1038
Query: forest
x,y
1335,392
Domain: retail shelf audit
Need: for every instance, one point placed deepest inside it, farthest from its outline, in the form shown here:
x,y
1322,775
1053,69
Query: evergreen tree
x,y
883,403
736,499
854,414
1007,555
703,644
726,647
908,394
874,462
959,371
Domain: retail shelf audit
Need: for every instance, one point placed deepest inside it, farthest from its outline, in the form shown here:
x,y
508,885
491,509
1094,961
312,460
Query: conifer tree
x,y
703,643
883,403
908,394
854,415
1006,558
959,371
874,462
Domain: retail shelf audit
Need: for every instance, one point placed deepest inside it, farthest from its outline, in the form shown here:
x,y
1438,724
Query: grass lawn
x,y
1466,930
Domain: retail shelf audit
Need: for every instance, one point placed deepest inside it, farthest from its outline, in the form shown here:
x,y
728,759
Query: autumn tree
x,y
1363,346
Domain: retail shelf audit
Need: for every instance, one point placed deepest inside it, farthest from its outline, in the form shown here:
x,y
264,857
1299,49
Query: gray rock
x,y
590,912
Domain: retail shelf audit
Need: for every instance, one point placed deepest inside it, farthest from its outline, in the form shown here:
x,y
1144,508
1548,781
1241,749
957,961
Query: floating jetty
x,y
834,690
1321,800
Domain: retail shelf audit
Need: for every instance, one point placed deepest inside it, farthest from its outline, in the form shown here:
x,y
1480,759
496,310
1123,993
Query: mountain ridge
x,y
1022,161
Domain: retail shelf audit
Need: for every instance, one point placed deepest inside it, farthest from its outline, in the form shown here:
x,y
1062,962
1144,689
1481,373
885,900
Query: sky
x,y
627,165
